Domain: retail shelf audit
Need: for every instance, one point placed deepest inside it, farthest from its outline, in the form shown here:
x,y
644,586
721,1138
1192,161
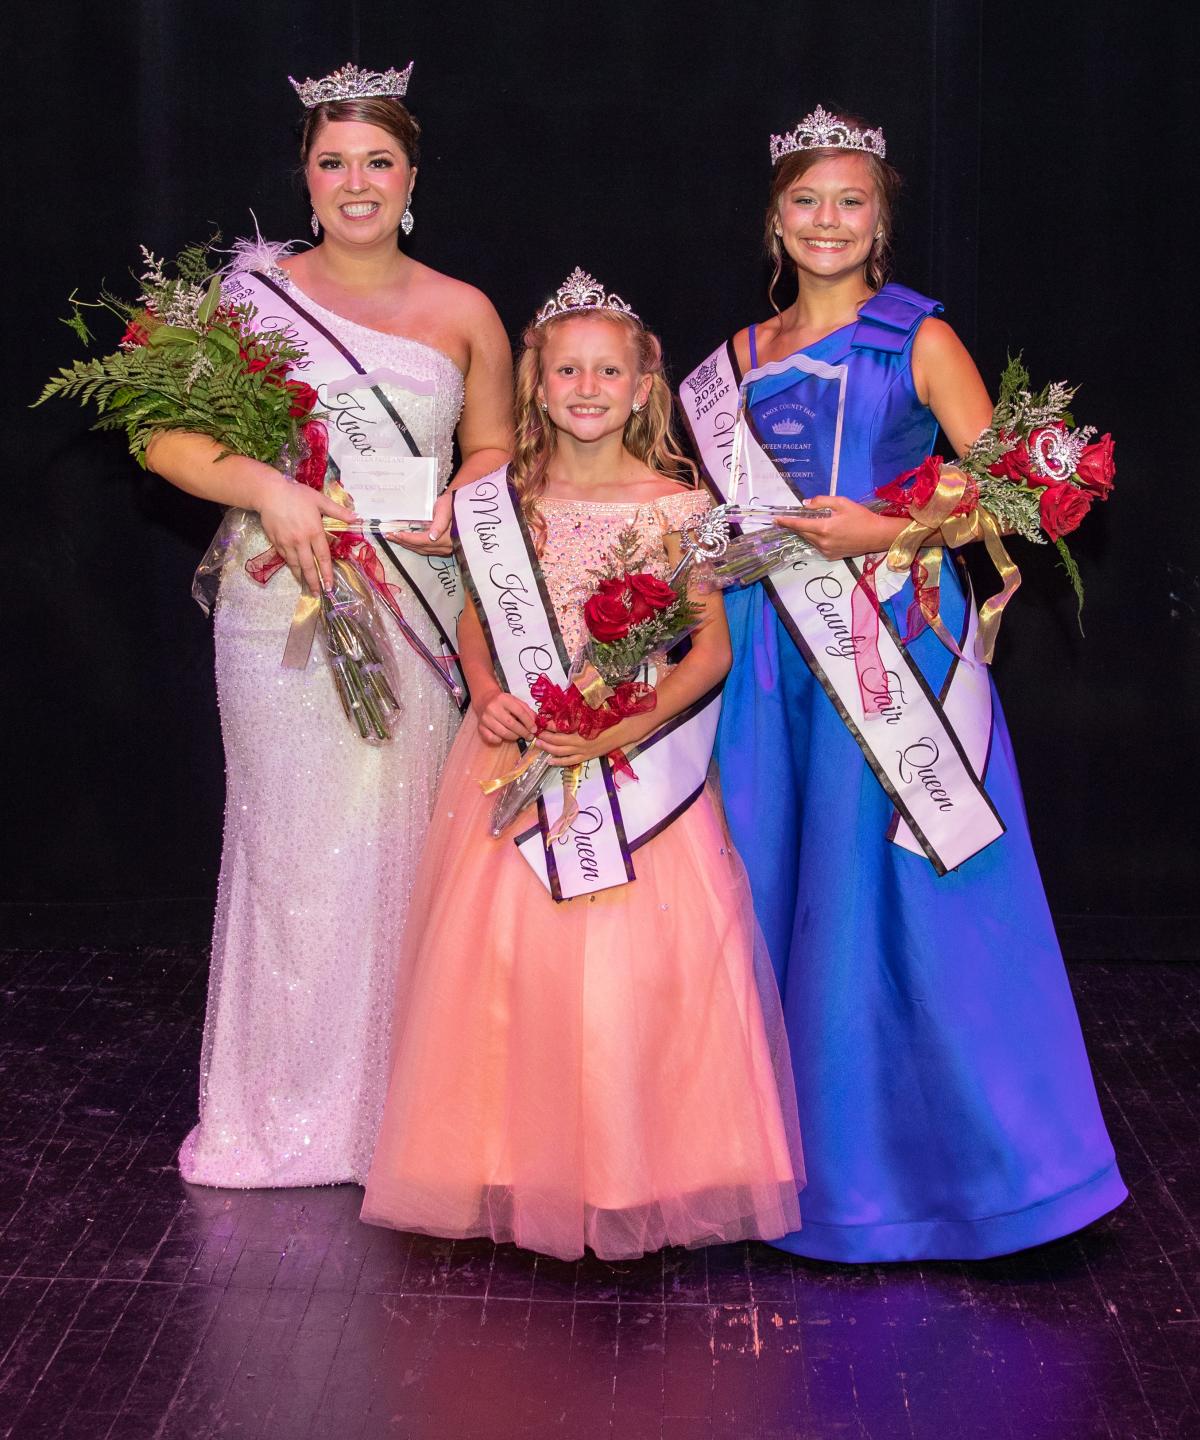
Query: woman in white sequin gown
x,y
322,831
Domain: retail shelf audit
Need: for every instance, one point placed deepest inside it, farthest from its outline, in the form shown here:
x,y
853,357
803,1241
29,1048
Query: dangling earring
x,y
315,223
406,220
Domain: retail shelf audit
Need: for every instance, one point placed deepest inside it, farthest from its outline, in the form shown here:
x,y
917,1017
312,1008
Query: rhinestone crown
x,y
351,83
579,292
823,131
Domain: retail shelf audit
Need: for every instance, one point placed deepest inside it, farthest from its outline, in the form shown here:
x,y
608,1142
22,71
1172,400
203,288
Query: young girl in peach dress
x,y
608,1070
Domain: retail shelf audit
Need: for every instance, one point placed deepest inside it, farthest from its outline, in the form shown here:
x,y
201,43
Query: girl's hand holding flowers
x,y
569,750
503,718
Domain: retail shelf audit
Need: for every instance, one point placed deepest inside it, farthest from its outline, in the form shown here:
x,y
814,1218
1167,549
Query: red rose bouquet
x,y
633,618
191,360
1031,473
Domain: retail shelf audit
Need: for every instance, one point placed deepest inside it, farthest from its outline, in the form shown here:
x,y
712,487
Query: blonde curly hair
x,y
648,433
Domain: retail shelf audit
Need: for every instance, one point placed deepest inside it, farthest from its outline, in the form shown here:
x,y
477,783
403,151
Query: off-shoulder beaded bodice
x,y
580,535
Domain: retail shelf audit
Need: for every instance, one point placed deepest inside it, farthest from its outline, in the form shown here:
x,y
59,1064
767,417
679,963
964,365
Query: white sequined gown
x,y
322,836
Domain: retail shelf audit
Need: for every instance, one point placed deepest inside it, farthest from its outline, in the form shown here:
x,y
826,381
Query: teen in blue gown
x,y
946,1101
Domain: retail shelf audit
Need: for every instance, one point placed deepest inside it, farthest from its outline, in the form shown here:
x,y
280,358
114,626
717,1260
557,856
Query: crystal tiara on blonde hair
x,y
823,131
351,83
581,292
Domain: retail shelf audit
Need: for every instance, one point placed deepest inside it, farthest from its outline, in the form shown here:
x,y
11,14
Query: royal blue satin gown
x,y
946,1101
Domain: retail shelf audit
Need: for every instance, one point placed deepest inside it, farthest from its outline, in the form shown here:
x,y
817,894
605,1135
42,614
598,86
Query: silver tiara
x,y
823,131
579,292
351,83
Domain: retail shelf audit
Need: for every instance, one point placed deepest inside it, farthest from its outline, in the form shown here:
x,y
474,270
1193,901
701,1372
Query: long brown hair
x,y
647,434
887,181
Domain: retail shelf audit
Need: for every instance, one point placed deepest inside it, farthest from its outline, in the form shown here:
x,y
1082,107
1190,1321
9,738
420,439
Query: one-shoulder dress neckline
x,y
279,273
757,364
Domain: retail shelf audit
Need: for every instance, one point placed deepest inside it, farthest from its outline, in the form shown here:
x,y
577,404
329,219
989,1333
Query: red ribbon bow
x,y
566,712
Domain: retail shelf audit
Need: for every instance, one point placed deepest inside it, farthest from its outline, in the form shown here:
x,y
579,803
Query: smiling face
x,y
359,181
590,376
828,217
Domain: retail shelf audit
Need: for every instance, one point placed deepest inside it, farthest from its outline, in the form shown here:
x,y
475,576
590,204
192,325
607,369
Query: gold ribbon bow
x,y
980,524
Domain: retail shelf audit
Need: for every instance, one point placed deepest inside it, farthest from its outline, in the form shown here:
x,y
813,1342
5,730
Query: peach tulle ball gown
x,y
609,1072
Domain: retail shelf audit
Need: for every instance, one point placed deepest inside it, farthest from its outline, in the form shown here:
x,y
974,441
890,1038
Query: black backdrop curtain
x,y
1050,202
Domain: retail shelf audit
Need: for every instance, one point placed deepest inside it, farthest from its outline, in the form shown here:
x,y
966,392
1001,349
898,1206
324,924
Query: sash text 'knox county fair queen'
x,y
927,751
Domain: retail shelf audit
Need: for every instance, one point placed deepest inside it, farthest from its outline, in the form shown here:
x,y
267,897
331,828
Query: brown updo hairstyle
x,y
789,169
647,434
382,110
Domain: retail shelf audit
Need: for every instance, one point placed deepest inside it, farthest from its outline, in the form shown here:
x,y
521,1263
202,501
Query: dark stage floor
x,y
133,1307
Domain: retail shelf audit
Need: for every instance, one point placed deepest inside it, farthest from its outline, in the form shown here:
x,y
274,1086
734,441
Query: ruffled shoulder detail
x,y
889,319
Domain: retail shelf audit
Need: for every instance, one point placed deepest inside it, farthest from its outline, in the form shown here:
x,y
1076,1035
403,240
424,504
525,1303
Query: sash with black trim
x,y
359,424
928,751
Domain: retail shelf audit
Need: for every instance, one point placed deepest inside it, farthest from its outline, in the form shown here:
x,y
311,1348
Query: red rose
x,y
1063,507
648,595
1096,469
272,371
303,398
639,610
614,589
607,617
1015,465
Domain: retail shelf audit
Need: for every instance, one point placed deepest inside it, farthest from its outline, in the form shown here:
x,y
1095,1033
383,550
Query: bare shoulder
x,y
653,488
765,332
939,358
462,298
671,489
947,379
936,341
741,348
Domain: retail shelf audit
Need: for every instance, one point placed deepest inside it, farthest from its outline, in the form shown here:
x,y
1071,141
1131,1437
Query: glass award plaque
x,y
393,489
788,433
371,421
